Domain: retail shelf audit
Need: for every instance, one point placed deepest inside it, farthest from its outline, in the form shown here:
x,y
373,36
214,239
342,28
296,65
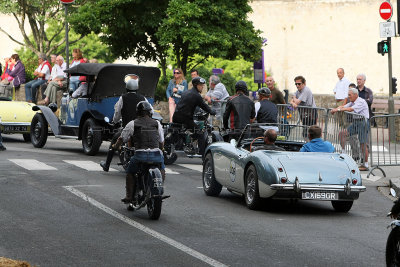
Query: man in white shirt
x,y
341,89
42,74
58,82
216,94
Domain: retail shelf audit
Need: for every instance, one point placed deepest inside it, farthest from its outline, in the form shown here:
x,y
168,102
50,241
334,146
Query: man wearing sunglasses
x,y
304,98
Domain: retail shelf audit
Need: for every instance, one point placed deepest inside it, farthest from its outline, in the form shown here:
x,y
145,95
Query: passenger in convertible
x,y
316,143
270,136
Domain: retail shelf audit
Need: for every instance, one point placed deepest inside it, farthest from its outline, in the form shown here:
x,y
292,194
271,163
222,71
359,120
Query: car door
x,y
236,168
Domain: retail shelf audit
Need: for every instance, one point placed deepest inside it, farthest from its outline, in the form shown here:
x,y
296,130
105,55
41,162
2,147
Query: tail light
x,y
283,180
353,171
354,181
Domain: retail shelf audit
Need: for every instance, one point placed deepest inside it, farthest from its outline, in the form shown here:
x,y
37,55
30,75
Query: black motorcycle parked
x,y
393,241
179,139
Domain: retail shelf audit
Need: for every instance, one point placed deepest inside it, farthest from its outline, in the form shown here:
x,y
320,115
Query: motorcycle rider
x,y
239,111
147,136
266,111
186,107
125,108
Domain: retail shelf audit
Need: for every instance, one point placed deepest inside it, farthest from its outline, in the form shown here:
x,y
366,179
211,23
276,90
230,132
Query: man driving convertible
x,y
148,137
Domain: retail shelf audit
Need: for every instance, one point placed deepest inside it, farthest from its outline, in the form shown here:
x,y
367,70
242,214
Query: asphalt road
x,y
55,213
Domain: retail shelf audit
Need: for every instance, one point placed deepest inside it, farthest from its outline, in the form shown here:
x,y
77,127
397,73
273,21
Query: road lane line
x,y
169,171
32,164
88,165
194,167
145,229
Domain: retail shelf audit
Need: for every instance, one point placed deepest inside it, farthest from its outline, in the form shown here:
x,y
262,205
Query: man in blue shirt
x,y
316,143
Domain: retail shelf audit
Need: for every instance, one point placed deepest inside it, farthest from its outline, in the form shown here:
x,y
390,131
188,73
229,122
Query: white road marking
x,y
32,164
88,165
145,229
169,171
194,167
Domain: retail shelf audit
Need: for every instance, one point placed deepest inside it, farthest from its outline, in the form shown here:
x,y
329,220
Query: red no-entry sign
x,y
67,1
386,10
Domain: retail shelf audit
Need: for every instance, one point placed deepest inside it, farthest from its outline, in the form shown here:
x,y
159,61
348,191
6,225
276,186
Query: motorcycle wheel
x,y
169,157
393,248
154,208
124,158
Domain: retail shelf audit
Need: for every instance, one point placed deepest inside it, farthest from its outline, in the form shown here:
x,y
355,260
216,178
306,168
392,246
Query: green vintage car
x,y
16,117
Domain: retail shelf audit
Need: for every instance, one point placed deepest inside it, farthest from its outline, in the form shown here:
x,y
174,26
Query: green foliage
x,y
207,29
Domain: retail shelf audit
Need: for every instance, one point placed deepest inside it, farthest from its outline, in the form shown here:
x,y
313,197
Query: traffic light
x,y
394,85
383,47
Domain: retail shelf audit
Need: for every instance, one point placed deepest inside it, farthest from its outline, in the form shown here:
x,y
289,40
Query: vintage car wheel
x,y
393,248
169,157
27,137
252,196
91,137
210,185
39,130
342,206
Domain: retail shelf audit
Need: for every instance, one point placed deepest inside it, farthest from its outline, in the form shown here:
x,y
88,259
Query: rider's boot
x,y
129,188
106,164
163,174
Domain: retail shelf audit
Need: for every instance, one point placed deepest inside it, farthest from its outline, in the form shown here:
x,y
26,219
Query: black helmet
x,y
132,85
143,107
198,80
264,91
242,86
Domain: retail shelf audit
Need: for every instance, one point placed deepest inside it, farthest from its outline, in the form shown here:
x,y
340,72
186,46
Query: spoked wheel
x,y
342,206
154,208
393,248
39,130
124,157
210,185
252,195
169,156
91,137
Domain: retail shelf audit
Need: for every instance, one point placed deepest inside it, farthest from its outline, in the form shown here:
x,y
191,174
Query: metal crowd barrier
x,y
294,123
349,133
384,151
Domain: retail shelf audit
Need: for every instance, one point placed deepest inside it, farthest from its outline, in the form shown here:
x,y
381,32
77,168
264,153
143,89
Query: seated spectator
x,y
42,74
270,136
17,73
5,88
82,90
58,81
316,143
77,59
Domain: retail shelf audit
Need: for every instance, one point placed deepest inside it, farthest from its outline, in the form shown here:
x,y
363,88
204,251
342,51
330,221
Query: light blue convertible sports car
x,y
289,174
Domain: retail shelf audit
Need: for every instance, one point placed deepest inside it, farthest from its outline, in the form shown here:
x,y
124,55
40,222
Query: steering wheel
x,y
251,144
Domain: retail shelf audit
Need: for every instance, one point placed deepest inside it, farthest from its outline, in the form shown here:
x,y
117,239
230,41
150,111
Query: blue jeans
x,y
144,156
73,85
31,88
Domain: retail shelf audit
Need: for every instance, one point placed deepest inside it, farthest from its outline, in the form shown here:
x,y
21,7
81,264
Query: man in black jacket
x,y
266,111
124,109
239,111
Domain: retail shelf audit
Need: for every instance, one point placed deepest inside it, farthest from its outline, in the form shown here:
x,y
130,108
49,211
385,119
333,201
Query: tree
x,y
207,29
127,26
37,13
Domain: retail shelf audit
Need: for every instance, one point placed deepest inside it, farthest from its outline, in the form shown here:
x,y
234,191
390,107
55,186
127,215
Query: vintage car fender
x,y
51,118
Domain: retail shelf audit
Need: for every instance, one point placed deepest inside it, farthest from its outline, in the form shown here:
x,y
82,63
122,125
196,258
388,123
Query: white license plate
x,y
320,195
15,128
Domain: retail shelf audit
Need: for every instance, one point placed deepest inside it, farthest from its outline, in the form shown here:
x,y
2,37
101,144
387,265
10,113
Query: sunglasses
x,y
297,84
177,73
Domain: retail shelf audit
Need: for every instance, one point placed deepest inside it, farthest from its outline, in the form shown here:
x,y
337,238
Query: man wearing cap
x,y
266,111
42,74
239,111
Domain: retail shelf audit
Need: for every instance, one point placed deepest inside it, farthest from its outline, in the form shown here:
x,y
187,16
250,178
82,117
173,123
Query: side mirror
x,y
233,142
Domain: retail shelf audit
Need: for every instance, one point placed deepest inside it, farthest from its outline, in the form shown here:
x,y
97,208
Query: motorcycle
x,y
179,139
149,186
393,241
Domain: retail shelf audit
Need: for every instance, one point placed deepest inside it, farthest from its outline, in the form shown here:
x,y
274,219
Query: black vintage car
x,y
84,118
